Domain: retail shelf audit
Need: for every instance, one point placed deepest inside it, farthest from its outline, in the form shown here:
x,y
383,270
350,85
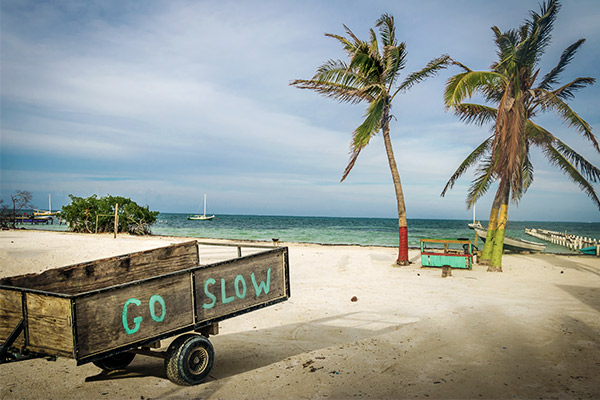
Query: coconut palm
x,y
371,76
511,86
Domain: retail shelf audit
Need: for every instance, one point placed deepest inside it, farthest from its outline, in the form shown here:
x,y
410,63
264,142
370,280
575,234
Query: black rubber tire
x,y
189,359
115,362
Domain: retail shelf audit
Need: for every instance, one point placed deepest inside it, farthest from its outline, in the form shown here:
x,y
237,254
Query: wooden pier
x,y
570,241
27,219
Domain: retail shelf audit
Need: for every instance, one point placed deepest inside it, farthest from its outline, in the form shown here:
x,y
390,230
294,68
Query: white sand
x,y
532,331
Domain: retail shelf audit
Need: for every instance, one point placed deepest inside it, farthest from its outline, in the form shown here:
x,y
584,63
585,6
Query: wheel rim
x,y
198,360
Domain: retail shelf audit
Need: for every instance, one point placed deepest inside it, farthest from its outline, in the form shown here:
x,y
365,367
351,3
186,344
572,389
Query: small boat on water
x,y
202,217
512,244
46,215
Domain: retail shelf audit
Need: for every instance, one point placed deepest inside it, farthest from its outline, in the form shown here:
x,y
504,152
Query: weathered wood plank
x,y
118,317
49,324
11,312
234,286
84,277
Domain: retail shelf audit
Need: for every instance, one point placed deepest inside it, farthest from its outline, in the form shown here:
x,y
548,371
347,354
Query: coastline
x,y
531,331
554,248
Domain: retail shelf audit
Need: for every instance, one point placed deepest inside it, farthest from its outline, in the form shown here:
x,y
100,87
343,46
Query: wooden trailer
x,y
447,252
108,310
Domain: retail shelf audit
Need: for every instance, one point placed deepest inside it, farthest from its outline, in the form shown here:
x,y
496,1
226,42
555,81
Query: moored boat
x,y
202,217
512,244
592,250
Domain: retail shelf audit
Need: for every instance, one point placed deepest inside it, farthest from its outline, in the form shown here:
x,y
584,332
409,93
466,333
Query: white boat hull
x,y
512,244
201,217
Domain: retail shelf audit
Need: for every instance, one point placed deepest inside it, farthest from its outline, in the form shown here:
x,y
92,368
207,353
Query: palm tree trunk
x,y
496,257
486,253
402,224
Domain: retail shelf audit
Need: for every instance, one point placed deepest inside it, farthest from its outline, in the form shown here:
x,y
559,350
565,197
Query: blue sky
x,y
163,101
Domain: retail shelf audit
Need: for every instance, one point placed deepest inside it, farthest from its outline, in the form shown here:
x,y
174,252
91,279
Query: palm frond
x,y
346,44
477,114
506,43
395,60
371,123
373,45
338,72
387,30
351,34
342,93
365,131
335,79
497,32
353,157
461,65
584,166
537,135
540,28
527,175
551,78
463,85
431,69
571,118
468,162
543,138
481,183
557,159
527,179
566,92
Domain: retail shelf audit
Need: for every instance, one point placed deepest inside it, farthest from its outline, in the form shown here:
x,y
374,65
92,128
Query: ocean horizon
x,y
364,231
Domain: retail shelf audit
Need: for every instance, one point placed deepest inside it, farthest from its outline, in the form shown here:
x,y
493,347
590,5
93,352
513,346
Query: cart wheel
x,y
189,359
118,361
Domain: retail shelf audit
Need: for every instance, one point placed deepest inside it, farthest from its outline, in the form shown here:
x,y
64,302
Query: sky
x,y
163,101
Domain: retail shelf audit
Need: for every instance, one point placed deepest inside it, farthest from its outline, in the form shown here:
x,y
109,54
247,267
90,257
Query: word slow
x,y
240,288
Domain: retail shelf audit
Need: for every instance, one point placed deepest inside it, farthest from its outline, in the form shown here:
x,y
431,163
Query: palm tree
x,y
371,76
511,86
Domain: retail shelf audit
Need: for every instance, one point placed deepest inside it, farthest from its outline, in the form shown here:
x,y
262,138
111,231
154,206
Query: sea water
x,y
343,230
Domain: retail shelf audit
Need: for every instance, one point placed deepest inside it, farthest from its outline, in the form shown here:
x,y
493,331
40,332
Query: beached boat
x,y
592,250
202,217
512,244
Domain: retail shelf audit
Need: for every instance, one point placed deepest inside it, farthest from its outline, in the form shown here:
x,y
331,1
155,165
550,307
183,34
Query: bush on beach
x,y
97,215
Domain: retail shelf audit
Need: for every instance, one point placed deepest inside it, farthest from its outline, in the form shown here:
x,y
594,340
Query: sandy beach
x,y
532,331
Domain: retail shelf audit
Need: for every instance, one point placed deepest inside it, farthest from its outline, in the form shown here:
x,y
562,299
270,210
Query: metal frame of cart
x,y
107,310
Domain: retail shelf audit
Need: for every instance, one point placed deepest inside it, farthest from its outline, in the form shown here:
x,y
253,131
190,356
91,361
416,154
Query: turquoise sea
x,y
338,230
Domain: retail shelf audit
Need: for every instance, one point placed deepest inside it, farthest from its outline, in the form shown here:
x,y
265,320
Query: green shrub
x,y
93,214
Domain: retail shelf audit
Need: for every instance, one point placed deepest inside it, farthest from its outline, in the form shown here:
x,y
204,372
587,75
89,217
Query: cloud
x,y
163,101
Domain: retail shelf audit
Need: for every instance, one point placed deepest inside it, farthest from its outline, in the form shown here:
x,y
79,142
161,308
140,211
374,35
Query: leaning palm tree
x,y
505,155
371,76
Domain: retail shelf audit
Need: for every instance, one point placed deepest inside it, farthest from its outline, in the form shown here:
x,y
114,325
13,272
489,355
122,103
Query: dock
x,y
570,241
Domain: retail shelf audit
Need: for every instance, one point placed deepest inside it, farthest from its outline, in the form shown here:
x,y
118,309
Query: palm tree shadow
x,y
246,351
587,295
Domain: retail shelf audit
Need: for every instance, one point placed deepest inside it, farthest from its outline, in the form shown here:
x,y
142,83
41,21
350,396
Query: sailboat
x,y
43,214
202,217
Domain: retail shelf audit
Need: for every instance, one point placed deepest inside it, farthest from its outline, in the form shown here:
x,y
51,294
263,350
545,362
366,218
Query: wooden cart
x,y
106,311
444,252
